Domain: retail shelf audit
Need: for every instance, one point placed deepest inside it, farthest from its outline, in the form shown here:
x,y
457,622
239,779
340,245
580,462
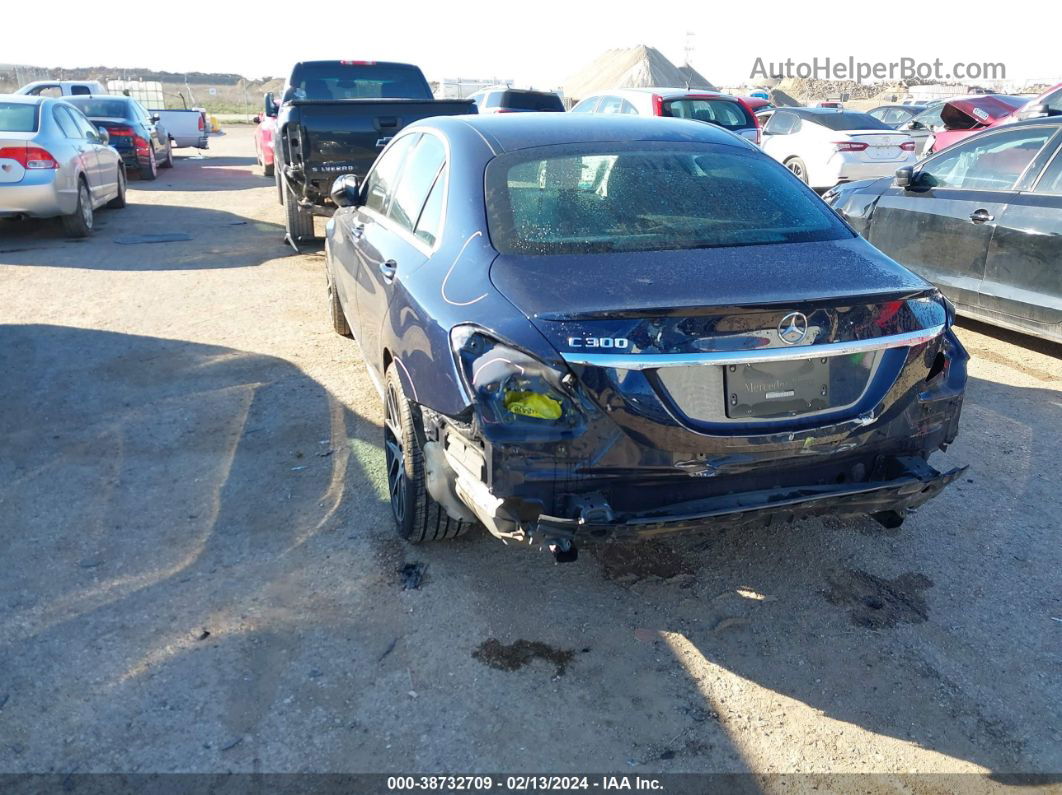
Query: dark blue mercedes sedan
x,y
589,328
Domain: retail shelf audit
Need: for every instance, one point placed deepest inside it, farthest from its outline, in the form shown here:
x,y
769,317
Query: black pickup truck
x,y
334,118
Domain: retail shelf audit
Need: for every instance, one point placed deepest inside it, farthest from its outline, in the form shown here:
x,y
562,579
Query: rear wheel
x,y
119,201
418,517
167,162
150,169
267,169
280,187
796,165
79,222
298,223
335,308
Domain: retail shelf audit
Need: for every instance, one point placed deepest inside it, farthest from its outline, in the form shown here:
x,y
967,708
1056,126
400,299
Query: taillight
x,y
126,132
29,156
141,144
201,126
850,146
658,105
908,146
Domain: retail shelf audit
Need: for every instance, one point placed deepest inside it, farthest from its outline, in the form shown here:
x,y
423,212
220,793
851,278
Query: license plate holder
x,y
765,390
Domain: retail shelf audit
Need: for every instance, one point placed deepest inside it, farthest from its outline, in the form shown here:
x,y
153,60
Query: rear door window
x,y
18,117
724,113
421,167
429,225
987,162
382,179
64,117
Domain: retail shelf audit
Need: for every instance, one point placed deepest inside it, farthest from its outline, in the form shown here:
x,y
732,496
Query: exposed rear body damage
x,y
608,359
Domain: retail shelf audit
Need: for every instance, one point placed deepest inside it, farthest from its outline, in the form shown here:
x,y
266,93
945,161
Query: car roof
x,y
822,111
25,99
99,96
899,105
1053,120
509,132
667,92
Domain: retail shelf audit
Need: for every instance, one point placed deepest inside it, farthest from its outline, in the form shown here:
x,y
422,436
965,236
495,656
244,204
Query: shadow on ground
x,y
189,238
201,575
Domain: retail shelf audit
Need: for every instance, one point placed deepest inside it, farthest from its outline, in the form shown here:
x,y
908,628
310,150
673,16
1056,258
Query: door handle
x,y
981,216
388,268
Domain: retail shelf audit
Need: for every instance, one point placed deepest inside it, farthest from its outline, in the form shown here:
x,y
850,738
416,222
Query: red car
x,y
965,116
263,141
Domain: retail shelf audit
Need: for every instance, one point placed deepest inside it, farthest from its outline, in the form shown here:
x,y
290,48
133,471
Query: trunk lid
x,y
721,339
882,145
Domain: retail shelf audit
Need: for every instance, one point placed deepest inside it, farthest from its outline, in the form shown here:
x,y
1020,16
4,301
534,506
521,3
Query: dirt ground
x,y
199,571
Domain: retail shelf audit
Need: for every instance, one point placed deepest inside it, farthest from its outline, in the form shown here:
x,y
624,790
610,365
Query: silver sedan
x,y
54,162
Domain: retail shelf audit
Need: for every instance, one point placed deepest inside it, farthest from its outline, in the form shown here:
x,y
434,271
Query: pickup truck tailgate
x,y
345,136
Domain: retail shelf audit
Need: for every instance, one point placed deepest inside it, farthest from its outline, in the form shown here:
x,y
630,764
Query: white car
x,y
825,146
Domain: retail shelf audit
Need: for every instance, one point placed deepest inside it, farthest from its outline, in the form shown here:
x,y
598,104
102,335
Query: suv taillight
x,y
29,156
201,123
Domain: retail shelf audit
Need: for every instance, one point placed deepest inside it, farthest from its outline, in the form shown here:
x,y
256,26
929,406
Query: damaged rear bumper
x,y
918,483
897,484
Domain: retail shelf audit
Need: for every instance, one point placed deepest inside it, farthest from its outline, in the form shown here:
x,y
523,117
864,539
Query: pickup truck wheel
x,y
168,161
418,517
267,169
298,223
79,223
335,309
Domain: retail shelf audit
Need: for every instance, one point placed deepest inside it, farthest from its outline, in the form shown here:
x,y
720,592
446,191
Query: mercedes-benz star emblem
x,y
793,328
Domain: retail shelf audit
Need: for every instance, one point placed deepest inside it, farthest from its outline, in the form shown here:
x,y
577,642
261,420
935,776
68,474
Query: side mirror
x,y
270,104
104,135
905,177
156,118
256,119
1036,111
346,191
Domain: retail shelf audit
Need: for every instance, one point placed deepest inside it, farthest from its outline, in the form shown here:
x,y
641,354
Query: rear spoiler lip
x,y
654,361
761,306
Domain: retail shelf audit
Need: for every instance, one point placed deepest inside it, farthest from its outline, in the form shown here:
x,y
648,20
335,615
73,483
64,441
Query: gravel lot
x,y
200,573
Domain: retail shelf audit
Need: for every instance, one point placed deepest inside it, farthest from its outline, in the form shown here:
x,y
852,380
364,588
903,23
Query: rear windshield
x,y
526,100
97,108
848,121
722,112
18,117
336,80
648,197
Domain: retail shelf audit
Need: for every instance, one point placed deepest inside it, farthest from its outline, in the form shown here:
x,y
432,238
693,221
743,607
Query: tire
x,y
267,169
168,162
335,308
79,223
297,222
418,518
151,170
800,171
119,201
280,187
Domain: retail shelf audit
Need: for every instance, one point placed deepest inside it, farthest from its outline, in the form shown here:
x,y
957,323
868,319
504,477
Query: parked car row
x,y
67,156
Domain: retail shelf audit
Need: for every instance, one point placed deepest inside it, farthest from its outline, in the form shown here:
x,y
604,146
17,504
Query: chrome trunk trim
x,y
654,361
